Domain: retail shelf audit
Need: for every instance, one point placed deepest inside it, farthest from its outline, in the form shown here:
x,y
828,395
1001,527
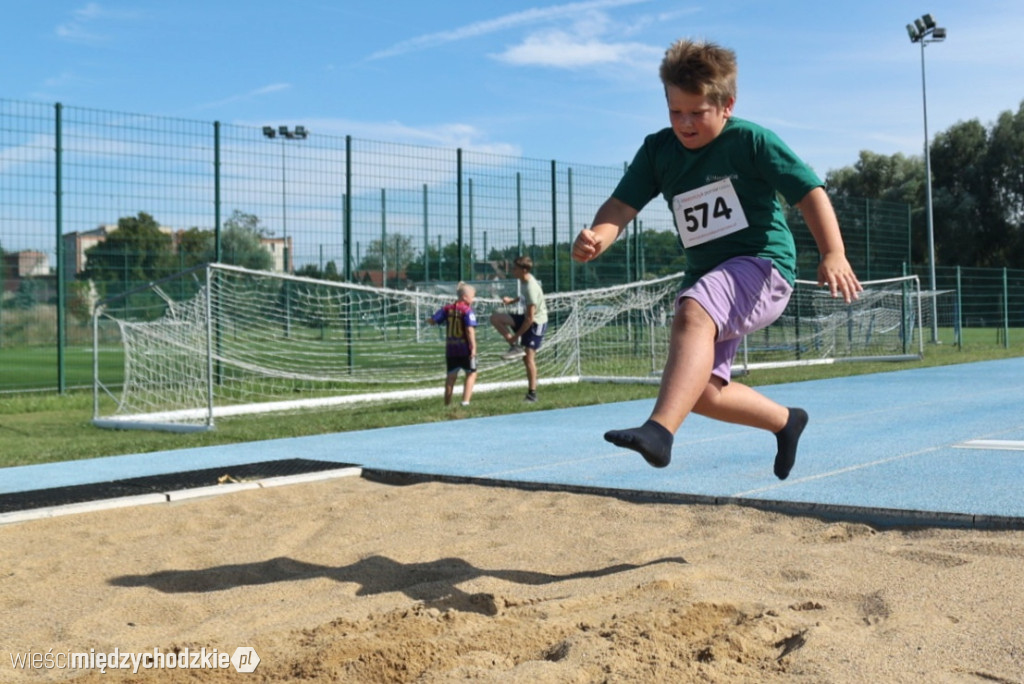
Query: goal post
x,y
884,323
222,340
225,340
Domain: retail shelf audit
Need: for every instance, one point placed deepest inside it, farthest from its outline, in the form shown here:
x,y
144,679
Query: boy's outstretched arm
x,y
609,222
834,271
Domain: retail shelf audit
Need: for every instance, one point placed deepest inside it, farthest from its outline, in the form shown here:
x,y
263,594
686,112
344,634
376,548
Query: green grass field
x,y
41,427
30,368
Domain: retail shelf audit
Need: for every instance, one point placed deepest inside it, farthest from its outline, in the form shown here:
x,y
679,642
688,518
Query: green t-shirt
x,y
745,163
535,295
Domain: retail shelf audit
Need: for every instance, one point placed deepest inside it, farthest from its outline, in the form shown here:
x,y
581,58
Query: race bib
x,y
708,213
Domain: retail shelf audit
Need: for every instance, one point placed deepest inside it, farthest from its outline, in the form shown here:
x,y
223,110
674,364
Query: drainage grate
x,y
190,479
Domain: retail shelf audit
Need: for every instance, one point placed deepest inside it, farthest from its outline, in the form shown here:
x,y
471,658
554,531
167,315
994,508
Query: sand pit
x,y
349,580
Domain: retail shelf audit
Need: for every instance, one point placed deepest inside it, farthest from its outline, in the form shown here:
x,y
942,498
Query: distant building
x,y
24,264
395,280
277,248
78,242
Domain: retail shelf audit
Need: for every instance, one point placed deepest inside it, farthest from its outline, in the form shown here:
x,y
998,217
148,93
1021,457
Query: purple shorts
x,y
742,295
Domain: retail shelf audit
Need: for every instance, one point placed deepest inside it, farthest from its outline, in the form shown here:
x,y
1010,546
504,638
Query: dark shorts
x,y
463,363
532,338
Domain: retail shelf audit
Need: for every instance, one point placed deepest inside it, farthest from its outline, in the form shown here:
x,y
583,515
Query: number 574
x,y
696,216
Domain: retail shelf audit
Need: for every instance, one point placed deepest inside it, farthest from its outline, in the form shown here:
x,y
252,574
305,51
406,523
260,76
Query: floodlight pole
x,y
925,31
299,133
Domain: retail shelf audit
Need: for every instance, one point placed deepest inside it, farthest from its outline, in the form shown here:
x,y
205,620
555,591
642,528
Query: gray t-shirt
x,y
535,295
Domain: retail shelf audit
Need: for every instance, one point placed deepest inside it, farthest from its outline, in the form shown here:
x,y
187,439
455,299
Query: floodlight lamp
x,y
269,131
283,130
301,132
919,24
912,32
938,34
929,21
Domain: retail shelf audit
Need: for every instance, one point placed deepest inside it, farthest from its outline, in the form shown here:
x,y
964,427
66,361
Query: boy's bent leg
x,y
686,374
502,322
688,368
737,403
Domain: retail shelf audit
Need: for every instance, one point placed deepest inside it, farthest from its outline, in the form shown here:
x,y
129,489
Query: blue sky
x,y
572,81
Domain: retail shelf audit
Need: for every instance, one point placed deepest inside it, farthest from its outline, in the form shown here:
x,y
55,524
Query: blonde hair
x,y
701,68
464,289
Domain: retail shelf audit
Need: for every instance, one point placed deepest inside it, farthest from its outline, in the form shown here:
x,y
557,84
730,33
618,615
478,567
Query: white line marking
x,y
841,471
1006,444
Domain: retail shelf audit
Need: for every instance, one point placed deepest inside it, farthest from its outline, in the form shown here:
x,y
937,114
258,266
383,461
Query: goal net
x,y
222,340
883,324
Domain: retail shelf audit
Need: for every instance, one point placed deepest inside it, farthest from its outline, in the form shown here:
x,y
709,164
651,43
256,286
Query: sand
x,y
349,580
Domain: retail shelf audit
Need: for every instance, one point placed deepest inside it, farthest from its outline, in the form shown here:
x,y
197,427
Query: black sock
x,y
787,439
651,440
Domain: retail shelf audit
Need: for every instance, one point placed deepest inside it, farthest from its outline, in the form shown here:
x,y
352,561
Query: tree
x,y
1006,149
965,219
977,191
137,252
240,242
331,271
82,299
662,252
196,247
28,293
241,245
895,179
397,256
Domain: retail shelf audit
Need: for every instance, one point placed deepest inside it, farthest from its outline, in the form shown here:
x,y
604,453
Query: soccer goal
x,y
222,340
219,340
884,323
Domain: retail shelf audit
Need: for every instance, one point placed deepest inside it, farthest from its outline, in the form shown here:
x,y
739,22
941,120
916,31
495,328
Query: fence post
x,y
59,224
3,282
472,245
1006,309
554,226
959,312
384,238
867,238
458,212
347,209
571,222
216,193
519,212
426,237
209,347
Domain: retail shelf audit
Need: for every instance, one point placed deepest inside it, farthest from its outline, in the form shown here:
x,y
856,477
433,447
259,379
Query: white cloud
x,y
508,21
257,92
75,32
82,27
563,50
451,135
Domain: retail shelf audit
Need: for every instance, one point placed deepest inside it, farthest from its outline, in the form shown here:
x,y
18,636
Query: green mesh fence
x,y
97,203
